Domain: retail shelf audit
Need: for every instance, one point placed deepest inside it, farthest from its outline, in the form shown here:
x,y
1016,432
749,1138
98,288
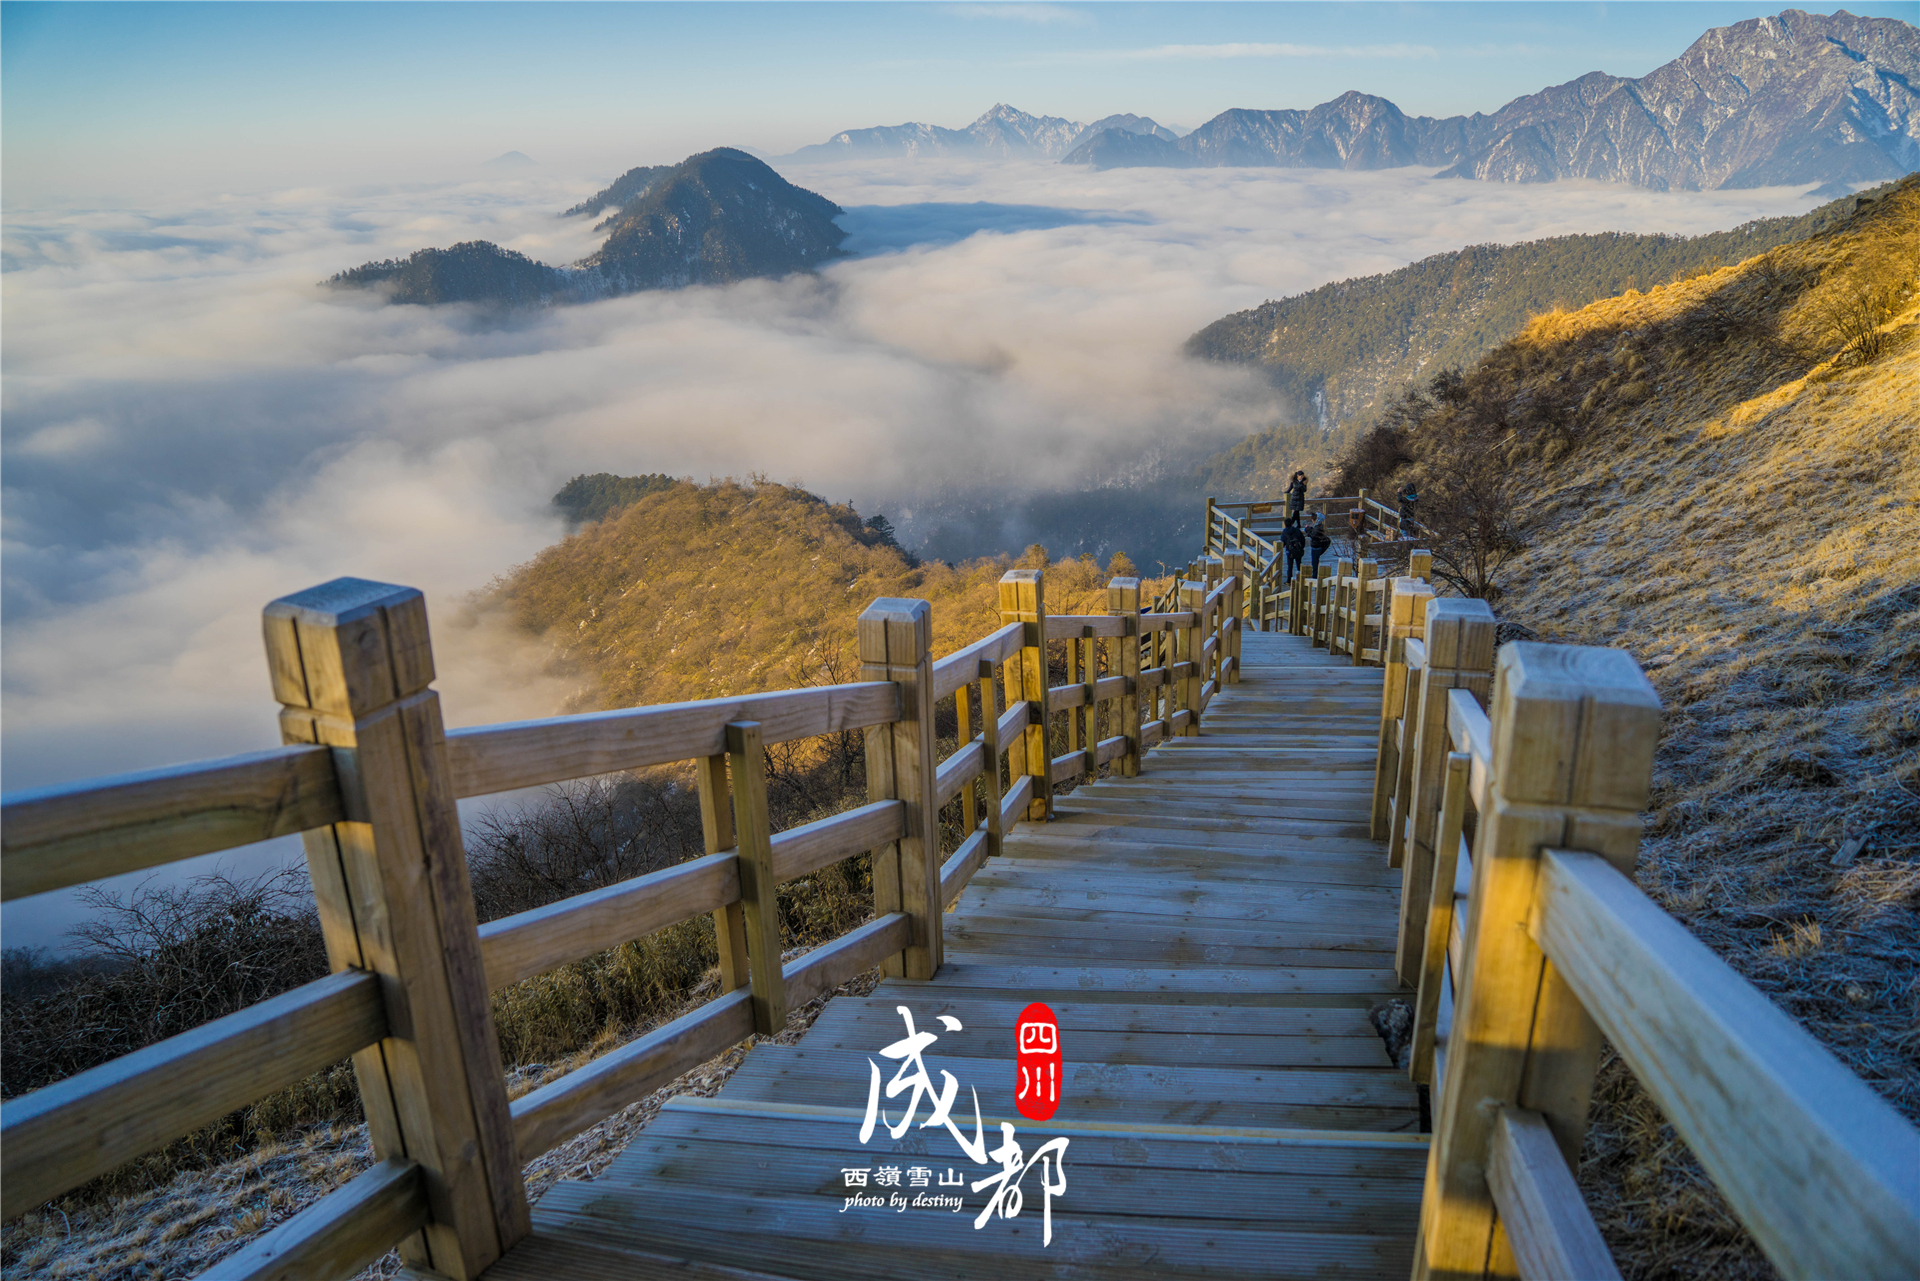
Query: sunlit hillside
x,y
1722,476
701,591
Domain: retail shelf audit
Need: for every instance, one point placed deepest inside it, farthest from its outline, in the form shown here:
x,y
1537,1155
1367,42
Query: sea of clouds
x,y
190,427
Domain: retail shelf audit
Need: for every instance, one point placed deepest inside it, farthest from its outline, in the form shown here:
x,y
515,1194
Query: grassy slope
x,y
1746,526
702,591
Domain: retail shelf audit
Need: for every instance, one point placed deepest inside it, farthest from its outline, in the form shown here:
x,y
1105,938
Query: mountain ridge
x,y
1001,131
1773,101
717,217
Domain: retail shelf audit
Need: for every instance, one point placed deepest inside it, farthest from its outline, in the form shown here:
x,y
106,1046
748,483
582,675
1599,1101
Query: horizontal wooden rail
x,y
801,851
1151,678
958,770
1173,621
517,947
1015,802
561,1109
57,1138
1415,651
1076,626
338,1235
53,837
1068,766
1472,733
1012,721
499,758
963,665
1823,1171
554,1113
1109,748
1062,698
961,865
1547,1221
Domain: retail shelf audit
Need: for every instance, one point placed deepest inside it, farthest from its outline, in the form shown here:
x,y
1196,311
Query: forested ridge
x,y
1336,351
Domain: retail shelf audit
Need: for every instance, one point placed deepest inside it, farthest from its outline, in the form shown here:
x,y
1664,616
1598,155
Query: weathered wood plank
x,y
56,1138
1822,1170
1546,1220
517,947
499,758
53,837
963,665
339,1234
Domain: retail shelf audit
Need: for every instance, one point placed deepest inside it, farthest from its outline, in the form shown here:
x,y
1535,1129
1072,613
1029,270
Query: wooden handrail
x,y
518,947
1820,1168
53,837
341,1233
963,665
58,1137
500,758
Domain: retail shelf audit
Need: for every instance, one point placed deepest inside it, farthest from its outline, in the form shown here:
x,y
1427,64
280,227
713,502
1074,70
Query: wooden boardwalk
x,y
1210,934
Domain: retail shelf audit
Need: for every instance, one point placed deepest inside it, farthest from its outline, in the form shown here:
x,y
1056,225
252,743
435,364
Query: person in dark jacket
x,y
1409,499
1296,494
1294,542
1357,531
1318,540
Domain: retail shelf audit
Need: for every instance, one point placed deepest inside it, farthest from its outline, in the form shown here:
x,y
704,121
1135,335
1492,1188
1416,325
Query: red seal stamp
x,y
1037,1039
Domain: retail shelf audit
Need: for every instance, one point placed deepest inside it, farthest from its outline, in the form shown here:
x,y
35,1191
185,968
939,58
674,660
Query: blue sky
x,y
100,96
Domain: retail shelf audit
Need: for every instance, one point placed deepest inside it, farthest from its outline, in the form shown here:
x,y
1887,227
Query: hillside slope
x,y
1722,476
1338,349
703,591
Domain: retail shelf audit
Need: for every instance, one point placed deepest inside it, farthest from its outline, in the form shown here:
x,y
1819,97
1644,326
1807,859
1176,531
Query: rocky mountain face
x,y
1001,132
1796,98
718,217
715,218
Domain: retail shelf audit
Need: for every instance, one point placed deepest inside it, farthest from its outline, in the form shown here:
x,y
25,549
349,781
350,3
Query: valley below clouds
x,y
193,427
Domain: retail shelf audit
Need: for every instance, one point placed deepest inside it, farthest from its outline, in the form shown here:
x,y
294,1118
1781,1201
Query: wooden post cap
x,y
348,646
1459,634
1573,725
906,626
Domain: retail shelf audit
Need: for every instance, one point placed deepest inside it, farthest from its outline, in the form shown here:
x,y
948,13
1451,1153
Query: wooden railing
x,y
369,777
1526,942
1340,604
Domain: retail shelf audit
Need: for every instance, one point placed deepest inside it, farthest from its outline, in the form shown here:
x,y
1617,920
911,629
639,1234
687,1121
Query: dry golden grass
x,y
1740,509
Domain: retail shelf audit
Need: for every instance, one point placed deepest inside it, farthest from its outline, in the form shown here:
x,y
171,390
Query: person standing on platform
x,y
1296,495
1318,540
1294,543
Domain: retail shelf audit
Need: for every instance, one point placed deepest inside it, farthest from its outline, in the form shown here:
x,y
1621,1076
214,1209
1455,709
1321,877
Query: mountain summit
x,y
1797,98
712,219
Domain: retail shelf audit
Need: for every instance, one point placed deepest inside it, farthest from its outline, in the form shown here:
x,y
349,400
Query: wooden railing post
x,y
1406,614
759,892
1023,600
1420,564
1123,599
352,667
1236,566
1459,639
1364,573
1574,731
990,744
716,830
896,644
1090,706
1193,596
1206,540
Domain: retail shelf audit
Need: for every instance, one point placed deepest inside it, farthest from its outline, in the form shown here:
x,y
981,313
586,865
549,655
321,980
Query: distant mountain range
x,y
1797,98
1002,132
715,218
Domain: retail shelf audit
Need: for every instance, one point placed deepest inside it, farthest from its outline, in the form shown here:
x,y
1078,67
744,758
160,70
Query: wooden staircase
x,y
1210,934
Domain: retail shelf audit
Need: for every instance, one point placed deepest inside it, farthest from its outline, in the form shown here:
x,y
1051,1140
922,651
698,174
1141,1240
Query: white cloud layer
x,y
192,428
